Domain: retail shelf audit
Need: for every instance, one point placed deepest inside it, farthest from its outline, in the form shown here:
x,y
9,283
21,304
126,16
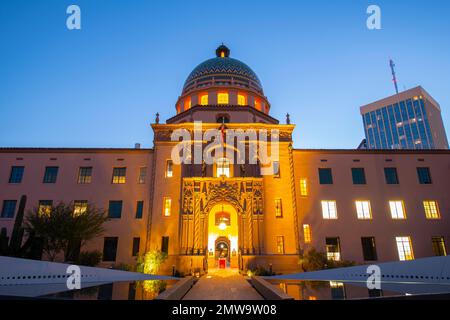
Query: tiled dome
x,y
224,70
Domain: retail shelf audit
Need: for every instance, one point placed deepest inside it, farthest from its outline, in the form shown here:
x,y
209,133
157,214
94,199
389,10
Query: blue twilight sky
x,y
101,86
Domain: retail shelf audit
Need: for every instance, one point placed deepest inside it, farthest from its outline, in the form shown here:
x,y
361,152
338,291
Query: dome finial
x,y
222,51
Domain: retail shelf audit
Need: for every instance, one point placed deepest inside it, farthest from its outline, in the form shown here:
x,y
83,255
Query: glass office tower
x,y
410,120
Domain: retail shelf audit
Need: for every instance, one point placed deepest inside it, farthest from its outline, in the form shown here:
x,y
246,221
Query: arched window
x,y
223,167
222,98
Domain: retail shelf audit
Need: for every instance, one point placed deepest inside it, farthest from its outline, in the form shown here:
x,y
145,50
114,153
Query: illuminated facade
x,y
361,205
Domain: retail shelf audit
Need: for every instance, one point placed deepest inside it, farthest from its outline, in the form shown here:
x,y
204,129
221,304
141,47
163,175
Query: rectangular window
x,y
139,209
167,206
136,244
329,210
431,209
307,233
424,175
397,210
276,169
222,98
165,245
337,290
142,175
169,169
333,248
358,176
9,209
369,248
110,248
223,167
439,246
115,209
85,175
303,187
119,175
404,248
363,210
278,208
390,174
45,207
242,100
204,99
280,244
16,174
80,207
325,176
50,175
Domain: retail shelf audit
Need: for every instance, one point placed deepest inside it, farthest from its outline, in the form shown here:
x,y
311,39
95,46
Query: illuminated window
x,y
329,210
167,206
222,98
303,187
307,233
142,175
333,248
187,103
45,207
439,246
204,99
257,104
85,175
223,167
79,207
280,244
169,169
431,210
404,248
397,210
278,208
119,175
363,211
242,100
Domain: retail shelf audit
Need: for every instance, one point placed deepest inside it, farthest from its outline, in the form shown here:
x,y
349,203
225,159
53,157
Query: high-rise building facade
x,y
409,120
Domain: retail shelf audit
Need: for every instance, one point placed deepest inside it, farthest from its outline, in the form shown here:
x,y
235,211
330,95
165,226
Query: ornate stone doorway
x,y
223,235
215,207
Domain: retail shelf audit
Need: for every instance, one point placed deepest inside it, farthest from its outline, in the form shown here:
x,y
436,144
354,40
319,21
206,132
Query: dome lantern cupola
x,y
222,51
223,82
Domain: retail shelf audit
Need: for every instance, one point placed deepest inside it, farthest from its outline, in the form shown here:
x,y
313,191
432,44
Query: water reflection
x,y
139,290
328,290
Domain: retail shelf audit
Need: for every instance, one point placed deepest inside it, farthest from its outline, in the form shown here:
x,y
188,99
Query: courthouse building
x,y
361,205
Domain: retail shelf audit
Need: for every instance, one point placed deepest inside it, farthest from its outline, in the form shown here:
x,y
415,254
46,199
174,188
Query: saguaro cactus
x,y
15,247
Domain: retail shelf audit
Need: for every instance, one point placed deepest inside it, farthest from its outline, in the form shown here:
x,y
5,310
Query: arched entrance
x,y
223,235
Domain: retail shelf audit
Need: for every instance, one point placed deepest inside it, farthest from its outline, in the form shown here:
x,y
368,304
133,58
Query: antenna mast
x,y
394,77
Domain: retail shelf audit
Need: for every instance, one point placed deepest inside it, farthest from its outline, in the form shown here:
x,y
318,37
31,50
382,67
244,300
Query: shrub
x,y
89,258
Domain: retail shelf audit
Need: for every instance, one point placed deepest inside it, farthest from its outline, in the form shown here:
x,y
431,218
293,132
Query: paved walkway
x,y
222,284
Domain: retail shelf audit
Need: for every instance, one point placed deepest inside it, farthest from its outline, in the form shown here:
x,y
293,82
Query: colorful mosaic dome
x,y
222,70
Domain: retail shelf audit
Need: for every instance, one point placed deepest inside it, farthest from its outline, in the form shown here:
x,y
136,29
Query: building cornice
x,y
73,150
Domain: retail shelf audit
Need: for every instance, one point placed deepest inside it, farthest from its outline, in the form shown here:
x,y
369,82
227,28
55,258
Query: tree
x,y
62,231
314,260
